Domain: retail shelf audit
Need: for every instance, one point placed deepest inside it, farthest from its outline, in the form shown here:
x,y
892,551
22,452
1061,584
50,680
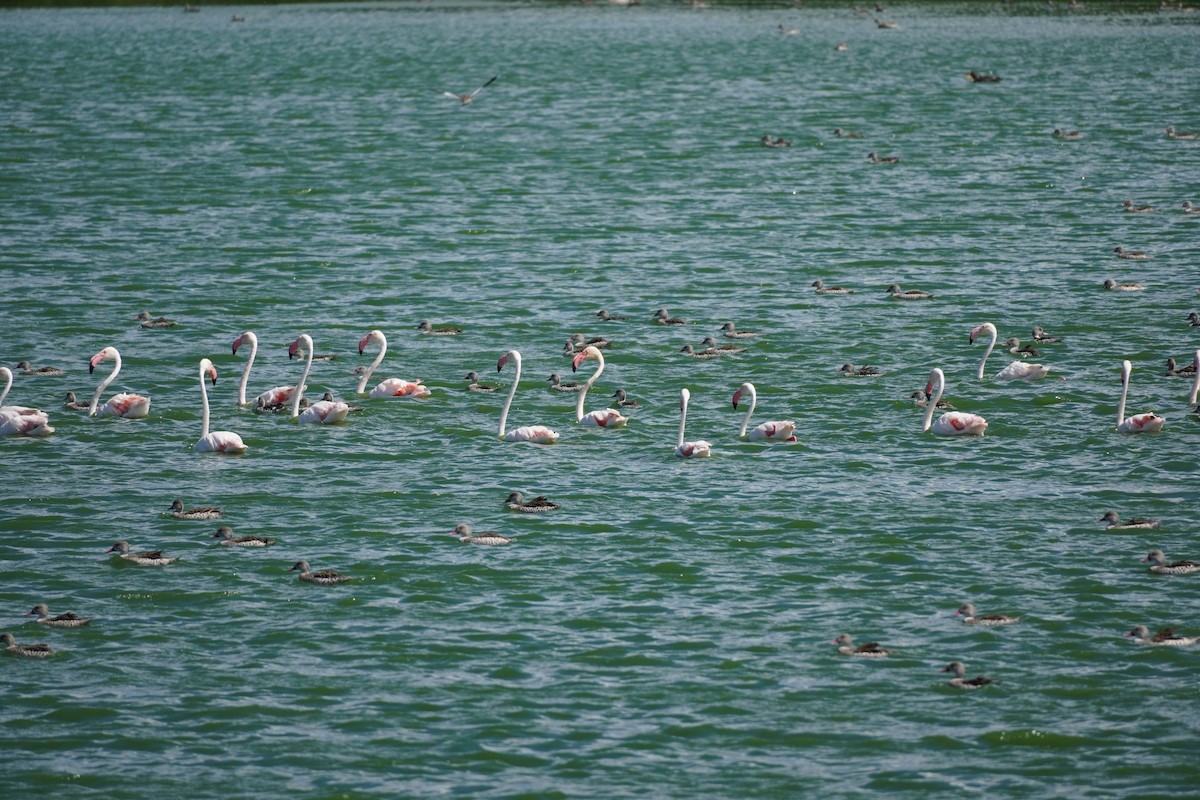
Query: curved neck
x,y
516,357
296,395
583,392
1125,370
749,411
991,346
940,381
1195,383
366,376
683,404
8,379
204,403
104,383
249,363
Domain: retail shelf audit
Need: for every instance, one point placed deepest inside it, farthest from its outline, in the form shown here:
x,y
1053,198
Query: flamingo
x,y
19,420
217,441
1195,383
272,399
952,423
603,418
539,434
392,387
133,406
327,412
1138,423
776,431
700,449
1017,370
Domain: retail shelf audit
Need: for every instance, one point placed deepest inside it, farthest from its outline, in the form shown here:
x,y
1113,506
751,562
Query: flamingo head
x,y
208,369
737,396
588,352
503,360
373,336
241,340
103,355
977,331
929,389
684,396
1126,369
293,349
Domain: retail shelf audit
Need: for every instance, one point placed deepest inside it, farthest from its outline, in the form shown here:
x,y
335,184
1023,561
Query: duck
x,y
907,294
768,141
844,134
732,333
325,577
623,400
921,401
150,558
154,322
886,25
39,650
875,158
1112,286
198,512
1130,208
710,343
861,372
475,386
789,31
1161,567
1188,208
661,317
67,620
425,328
1165,637
980,77
328,398
487,538
1115,523
579,342
821,288
72,403
516,502
960,680
1180,372
556,383
868,650
225,534
1059,133
30,370
1014,346
607,317
1041,337
1174,134
1131,255
1194,320
688,350
967,612
841,47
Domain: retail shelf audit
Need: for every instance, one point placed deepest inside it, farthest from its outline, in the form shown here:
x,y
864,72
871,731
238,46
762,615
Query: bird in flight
x,y
467,98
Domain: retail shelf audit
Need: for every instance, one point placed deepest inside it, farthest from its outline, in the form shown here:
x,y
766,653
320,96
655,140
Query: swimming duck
x,y
868,650
1133,209
475,386
844,134
325,577
425,328
150,558
28,369
1180,372
1131,255
841,47
821,288
225,534
875,158
788,31
198,512
1061,134
885,25
578,342
967,612
687,349
1041,337
67,620
622,400
39,650
1188,208
516,502
607,317
1113,286
978,77
154,322
73,404
907,294
768,141
1115,523
732,333
487,538
663,318
1194,320
861,372
1014,346
920,400
1174,134
709,343
1161,567
960,680
557,384
1165,637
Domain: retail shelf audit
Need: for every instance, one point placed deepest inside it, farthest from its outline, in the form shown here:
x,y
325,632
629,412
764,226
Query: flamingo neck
x,y
991,346
246,371
511,392
296,395
682,420
750,411
940,381
366,376
8,381
1125,370
204,404
1195,383
104,383
588,385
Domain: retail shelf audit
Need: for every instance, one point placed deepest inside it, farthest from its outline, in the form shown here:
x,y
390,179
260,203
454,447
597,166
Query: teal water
x,y
666,633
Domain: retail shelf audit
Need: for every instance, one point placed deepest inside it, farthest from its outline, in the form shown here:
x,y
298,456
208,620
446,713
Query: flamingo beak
x,y
736,396
500,364
292,348
236,343
212,373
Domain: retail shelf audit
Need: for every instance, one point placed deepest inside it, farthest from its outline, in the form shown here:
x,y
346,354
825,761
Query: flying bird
x,y
467,98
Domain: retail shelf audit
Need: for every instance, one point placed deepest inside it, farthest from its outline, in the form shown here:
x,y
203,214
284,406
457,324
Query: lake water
x,y
667,632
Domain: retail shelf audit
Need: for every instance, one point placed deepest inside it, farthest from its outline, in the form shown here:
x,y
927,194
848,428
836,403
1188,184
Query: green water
x,y
665,634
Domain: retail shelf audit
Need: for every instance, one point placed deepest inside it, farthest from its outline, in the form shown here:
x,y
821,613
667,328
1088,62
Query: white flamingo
x,y
952,423
392,387
538,434
217,441
20,420
133,406
327,412
1138,423
273,398
1196,382
776,431
698,449
601,418
1017,370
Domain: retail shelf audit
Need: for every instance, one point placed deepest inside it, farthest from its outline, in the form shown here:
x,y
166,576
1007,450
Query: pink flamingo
x,y
327,412
698,449
539,434
392,387
1017,370
1138,423
19,420
217,441
270,400
601,418
133,406
776,431
952,423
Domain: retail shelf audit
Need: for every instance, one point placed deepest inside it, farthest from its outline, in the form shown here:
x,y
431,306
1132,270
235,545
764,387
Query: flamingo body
x,y
1138,423
697,449
133,406
19,420
392,387
602,418
537,434
216,441
952,423
1017,370
775,431
327,412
